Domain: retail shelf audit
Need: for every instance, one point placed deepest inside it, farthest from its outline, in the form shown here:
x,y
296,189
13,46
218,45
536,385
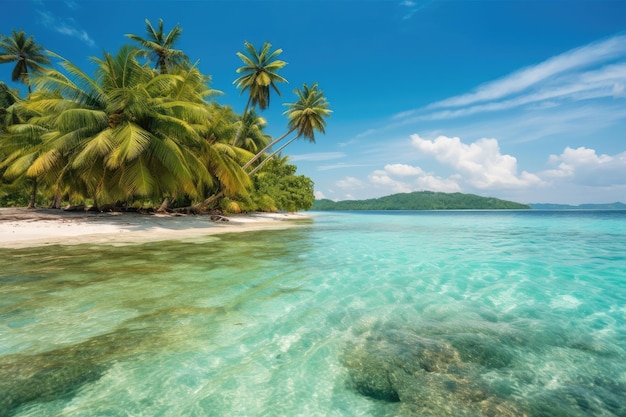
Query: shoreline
x,y
24,228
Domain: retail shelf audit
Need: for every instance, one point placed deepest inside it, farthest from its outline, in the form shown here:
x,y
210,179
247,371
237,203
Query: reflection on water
x,y
459,314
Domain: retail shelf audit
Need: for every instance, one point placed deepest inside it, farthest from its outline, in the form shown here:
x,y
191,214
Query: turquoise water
x,y
352,314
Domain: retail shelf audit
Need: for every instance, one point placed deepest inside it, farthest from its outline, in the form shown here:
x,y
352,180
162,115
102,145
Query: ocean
x,y
434,313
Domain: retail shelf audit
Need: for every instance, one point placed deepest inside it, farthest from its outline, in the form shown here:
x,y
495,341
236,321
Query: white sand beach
x,y
20,227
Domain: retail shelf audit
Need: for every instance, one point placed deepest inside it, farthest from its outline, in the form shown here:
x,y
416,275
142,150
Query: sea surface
x,y
460,313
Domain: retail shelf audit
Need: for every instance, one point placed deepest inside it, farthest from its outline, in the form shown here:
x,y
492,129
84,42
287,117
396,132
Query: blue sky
x,y
521,100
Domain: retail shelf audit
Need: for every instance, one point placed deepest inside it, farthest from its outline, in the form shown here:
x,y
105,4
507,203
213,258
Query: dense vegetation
x,y
423,200
606,206
144,130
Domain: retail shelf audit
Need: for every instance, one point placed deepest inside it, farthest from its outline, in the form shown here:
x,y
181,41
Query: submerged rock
x,y
427,376
61,373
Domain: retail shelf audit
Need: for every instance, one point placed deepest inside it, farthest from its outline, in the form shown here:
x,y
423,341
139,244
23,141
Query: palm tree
x,y
260,75
8,98
127,133
28,55
252,138
305,116
130,132
159,46
21,142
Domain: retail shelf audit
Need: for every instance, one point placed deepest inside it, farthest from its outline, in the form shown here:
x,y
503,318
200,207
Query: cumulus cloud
x,y
319,195
403,170
403,178
350,183
585,166
480,163
381,178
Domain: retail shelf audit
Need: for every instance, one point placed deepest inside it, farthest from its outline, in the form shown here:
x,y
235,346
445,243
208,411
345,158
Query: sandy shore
x,y
20,227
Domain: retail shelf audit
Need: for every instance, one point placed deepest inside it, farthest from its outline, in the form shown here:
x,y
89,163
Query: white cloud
x,y
480,163
403,178
65,26
433,183
584,166
380,178
341,165
319,195
592,54
350,183
403,170
594,71
319,156
414,6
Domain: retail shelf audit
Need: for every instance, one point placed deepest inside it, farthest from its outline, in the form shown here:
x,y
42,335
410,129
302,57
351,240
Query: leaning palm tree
x,y
260,75
28,55
306,116
159,46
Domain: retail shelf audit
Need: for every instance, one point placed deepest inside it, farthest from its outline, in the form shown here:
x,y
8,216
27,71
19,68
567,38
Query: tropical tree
x,y
20,144
8,98
28,56
279,185
260,76
251,137
127,133
306,116
159,47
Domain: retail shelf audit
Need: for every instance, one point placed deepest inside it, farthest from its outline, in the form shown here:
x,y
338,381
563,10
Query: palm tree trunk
x,y
243,120
56,201
262,151
209,200
33,195
256,168
214,197
164,205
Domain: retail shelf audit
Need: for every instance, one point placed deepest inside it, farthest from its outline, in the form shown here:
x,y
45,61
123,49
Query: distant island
x,y
606,206
421,200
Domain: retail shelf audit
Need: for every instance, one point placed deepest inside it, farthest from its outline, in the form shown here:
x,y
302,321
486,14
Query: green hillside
x,y
422,200
606,206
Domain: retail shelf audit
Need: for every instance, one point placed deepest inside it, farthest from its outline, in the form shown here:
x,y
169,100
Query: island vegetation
x,y
422,200
145,130
603,206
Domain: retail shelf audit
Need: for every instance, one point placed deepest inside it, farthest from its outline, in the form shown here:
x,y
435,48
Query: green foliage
x,y
131,134
260,73
278,184
423,200
28,56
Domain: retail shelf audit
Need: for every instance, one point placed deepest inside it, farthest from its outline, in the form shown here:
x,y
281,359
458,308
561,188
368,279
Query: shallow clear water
x,y
353,314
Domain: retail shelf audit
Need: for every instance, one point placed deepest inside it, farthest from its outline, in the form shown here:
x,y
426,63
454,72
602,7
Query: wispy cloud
x,y
596,70
411,7
319,156
65,26
340,165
